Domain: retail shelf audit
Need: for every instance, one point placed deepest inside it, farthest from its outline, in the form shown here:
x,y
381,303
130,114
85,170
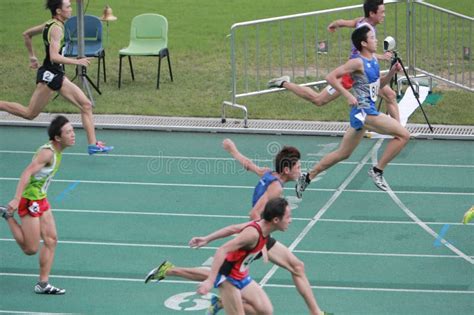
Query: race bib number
x,y
331,90
34,207
48,76
374,90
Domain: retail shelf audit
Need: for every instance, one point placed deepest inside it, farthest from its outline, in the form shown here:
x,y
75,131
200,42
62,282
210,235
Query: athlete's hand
x,y
197,242
387,55
332,27
204,287
13,205
352,101
83,62
34,62
229,145
398,67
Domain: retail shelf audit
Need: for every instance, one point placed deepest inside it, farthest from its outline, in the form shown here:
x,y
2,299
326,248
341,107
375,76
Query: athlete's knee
x,y
298,267
267,311
30,115
50,241
318,101
390,96
264,308
405,136
30,250
86,106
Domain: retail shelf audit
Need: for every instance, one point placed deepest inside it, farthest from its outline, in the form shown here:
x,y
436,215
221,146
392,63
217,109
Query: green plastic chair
x,y
148,37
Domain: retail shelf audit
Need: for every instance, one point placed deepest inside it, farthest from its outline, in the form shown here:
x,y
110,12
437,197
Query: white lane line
x,y
425,227
422,224
175,157
413,192
6,274
29,312
434,165
376,289
268,285
388,222
102,182
245,218
182,185
159,156
318,252
171,214
315,252
320,213
120,244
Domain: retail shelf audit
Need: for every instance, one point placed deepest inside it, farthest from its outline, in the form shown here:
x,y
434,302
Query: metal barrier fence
x,y
300,46
441,44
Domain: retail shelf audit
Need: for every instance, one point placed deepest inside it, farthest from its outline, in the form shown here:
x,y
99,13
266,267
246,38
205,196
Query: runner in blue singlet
x,y
366,74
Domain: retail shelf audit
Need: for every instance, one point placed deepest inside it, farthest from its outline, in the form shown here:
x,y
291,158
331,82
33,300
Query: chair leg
x,y
159,69
169,65
98,72
131,67
76,74
120,71
103,65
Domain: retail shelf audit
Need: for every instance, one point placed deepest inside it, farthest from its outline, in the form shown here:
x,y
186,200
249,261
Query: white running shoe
x,y
301,184
48,289
278,82
378,179
4,213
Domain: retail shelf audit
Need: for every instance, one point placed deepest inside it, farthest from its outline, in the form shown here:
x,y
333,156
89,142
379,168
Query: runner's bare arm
x,y
43,158
342,23
200,241
350,66
248,164
27,37
54,46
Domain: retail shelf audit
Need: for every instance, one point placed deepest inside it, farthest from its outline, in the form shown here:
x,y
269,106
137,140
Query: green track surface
x,y
132,209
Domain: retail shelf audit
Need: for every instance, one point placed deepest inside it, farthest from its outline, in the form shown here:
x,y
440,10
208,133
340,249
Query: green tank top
x,y
38,185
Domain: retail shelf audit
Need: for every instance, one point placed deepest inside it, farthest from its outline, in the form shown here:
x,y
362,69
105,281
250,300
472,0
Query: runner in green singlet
x,y
37,221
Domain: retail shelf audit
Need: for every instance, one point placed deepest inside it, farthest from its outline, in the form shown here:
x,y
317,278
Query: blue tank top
x,y
262,186
366,85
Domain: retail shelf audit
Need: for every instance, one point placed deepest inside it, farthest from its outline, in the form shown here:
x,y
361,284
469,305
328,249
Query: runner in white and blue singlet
x,y
365,88
365,72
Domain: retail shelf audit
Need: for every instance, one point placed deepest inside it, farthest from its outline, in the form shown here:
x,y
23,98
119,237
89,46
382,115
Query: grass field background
x,y
200,56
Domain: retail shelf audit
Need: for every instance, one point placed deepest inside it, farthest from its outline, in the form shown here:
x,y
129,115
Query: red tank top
x,y
242,258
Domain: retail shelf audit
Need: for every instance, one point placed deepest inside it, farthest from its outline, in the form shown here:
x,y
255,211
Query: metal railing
x,y
300,46
441,44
